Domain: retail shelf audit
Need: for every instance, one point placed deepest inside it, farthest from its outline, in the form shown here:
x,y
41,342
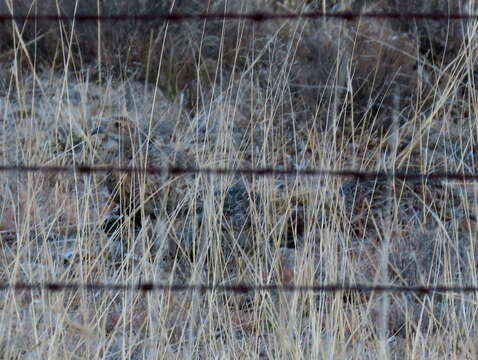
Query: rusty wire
x,y
235,288
265,171
253,16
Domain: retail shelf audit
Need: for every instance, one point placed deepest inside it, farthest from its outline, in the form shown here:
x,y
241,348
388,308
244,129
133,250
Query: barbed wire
x,y
254,16
266,171
234,288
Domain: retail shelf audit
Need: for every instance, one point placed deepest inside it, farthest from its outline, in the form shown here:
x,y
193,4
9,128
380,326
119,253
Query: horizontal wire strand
x,y
265,171
172,171
234,288
254,16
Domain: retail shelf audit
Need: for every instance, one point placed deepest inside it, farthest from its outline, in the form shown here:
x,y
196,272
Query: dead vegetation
x,y
366,94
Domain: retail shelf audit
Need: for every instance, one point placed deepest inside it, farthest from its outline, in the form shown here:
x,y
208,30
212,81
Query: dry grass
x,y
367,95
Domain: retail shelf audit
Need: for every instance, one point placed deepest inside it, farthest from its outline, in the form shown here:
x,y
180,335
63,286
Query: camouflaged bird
x,y
368,202
120,142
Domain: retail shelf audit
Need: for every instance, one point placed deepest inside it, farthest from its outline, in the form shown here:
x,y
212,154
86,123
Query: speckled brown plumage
x,y
120,142
366,203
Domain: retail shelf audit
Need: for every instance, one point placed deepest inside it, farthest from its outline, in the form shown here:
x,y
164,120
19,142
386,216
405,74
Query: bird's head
x,y
116,137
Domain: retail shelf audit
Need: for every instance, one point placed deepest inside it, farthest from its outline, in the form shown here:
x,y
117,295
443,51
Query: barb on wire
x,y
266,171
255,16
235,288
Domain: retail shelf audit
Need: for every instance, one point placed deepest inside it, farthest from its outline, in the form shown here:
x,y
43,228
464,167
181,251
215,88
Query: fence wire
x,y
266,171
235,288
254,16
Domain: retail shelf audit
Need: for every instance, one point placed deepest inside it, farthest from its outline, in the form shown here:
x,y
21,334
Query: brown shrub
x,y
439,40
181,52
382,60
367,60
320,63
